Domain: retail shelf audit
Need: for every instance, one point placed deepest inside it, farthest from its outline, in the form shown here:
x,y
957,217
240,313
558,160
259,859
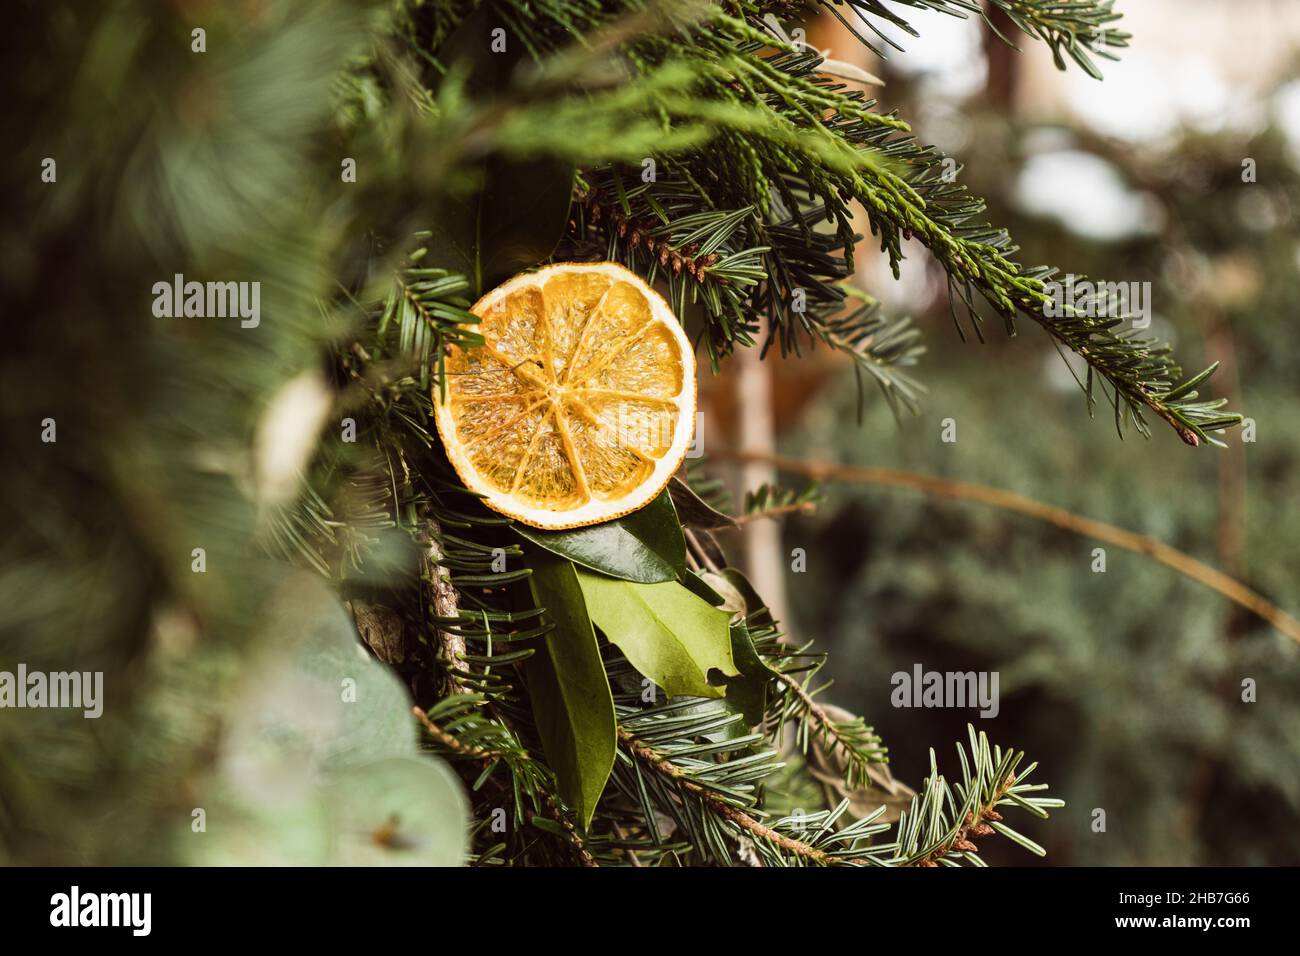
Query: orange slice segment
x,y
581,403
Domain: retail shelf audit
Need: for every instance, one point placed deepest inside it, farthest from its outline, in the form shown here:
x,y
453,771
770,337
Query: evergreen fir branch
x,y
439,599
848,741
797,122
712,491
1076,29
769,500
301,531
666,229
690,790
459,731
855,745
786,270
937,827
798,145
935,830
920,200
714,803
500,746
881,348
425,313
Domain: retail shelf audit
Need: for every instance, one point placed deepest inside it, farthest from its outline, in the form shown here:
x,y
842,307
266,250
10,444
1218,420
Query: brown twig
x,y
647,232
803,507
450,742
444,604
480,753
575,839
698,553
737,816
1180,561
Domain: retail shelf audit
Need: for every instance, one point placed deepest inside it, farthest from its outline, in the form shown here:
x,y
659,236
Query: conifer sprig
x,y
1074,29
797,146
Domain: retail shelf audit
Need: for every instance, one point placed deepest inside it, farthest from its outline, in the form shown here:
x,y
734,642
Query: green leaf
x,y
313,700
701,588
666,632
645,546
695,512
748,692
506,215
572,703
319,758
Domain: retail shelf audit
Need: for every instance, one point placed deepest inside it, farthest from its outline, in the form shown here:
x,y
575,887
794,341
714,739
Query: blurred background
x,y
1126,684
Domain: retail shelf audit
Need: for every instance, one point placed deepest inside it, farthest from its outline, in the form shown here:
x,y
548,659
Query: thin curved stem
x,y
1227,586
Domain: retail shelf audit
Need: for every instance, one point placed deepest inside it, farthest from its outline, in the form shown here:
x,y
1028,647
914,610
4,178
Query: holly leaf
x,y
645,546
701,588
572,704
668,634
748,692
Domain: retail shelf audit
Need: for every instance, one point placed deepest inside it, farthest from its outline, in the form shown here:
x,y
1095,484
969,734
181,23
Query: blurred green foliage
x,y
1125,684
130,513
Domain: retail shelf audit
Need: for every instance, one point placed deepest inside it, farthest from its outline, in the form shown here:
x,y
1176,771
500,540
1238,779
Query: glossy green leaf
x,y
572,704
645,546
671,636
748,692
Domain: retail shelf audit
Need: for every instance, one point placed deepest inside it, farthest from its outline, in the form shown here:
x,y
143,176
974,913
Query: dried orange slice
x,y
581,403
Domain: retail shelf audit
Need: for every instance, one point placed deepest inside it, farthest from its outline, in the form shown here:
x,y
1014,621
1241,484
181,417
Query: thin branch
x,y
801,507
480,753
451,743
444,604
698,553
737,816
1171,557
